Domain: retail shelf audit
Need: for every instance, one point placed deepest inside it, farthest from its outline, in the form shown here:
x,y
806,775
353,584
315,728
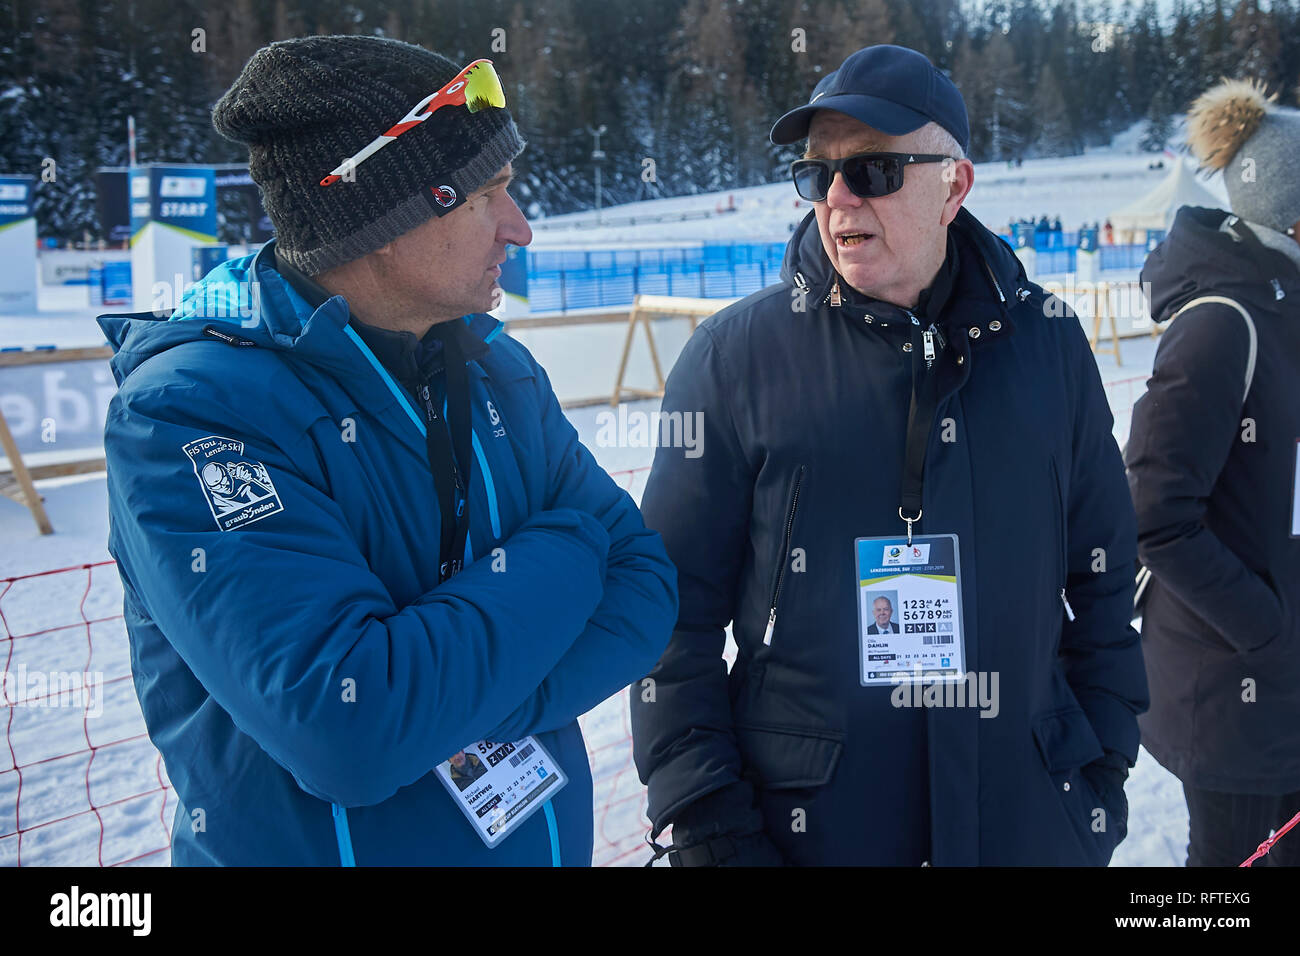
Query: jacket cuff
x,y
728,811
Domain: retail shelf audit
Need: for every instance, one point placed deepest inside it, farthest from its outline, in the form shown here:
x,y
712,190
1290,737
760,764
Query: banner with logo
x,y
173,209
17,244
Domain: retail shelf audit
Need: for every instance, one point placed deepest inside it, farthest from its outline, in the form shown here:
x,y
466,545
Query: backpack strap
x,y
1143,577
1250,329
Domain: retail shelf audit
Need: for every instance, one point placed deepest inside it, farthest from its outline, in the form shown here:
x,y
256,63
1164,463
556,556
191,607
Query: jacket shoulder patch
x,y
238,490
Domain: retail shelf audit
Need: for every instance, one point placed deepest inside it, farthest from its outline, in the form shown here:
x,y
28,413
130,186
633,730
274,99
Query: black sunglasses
x,y
868,175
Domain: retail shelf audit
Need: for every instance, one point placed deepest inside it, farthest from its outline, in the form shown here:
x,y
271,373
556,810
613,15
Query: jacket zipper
x,y
928,338
1061,527
785,555
989,269
431,419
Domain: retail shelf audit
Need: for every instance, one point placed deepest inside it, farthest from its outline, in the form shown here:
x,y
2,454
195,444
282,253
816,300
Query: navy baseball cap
x,y
890,88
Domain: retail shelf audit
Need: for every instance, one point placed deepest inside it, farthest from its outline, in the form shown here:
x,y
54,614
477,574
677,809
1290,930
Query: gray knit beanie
x,y
306,105
1235,128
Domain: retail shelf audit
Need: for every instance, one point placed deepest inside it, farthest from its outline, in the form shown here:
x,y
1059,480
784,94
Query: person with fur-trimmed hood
x,y
1212,463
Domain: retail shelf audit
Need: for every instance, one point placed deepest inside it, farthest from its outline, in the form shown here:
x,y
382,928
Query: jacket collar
x,y
412,361
985,269
277,317
1270,238
1210,250
981,283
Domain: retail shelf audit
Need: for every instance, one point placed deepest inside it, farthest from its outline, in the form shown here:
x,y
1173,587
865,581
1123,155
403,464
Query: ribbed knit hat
x,y
1236,128
303,106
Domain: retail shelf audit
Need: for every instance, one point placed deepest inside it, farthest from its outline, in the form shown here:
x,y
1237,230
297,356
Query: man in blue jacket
x,y
356,533
904,407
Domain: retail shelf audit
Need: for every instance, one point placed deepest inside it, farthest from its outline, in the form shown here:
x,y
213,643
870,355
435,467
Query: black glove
x,y
723,828
1106,776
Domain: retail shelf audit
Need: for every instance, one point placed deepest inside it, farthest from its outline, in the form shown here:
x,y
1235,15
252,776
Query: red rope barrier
x,y
39,825
1268,844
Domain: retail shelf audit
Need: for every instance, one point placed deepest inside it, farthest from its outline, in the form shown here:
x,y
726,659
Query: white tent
x,y
1156,209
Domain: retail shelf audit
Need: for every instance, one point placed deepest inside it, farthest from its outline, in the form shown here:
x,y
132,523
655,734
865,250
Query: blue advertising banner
x,y
185,198
173,209
17,245
15,199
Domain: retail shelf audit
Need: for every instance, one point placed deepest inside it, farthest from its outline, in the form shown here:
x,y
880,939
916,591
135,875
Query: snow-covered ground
x,y
73,764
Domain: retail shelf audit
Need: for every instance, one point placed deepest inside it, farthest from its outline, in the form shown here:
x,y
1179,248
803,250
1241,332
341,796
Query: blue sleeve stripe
x,y
388,379
493,511
344,836
554,828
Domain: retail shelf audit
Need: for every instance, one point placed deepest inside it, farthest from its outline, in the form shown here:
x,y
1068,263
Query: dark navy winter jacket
x,y
804,416
303,671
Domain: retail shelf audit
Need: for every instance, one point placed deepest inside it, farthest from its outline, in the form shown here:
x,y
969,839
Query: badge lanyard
x,y
450,455
920,419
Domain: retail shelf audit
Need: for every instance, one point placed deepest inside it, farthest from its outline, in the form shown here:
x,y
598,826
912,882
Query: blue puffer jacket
x,y
303,670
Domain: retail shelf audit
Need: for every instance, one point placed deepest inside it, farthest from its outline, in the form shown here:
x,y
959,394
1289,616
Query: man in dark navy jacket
x,y
890,290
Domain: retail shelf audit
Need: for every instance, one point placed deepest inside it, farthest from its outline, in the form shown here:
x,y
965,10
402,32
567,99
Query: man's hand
x,y
1106,776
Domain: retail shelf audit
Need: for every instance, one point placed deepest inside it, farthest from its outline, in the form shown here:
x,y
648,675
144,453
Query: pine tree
x,y
1219,57
542,74
1055,129
1256,43
848,26
1160,124
1184,78
997,99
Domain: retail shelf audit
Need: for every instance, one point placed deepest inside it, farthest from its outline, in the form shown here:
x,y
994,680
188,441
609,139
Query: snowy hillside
x,y
1076,188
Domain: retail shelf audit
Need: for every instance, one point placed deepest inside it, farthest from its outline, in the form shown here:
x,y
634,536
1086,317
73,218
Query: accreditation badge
x,y
500,785
909,609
